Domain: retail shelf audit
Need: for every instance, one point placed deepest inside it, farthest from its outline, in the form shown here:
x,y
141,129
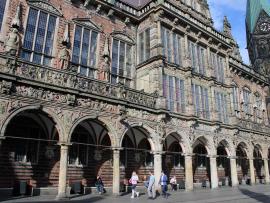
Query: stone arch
x,y
208,144
152,139
183,140
245,148
108,126
229,147
58,123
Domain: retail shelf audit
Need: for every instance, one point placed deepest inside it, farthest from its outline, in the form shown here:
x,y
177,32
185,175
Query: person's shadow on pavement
x,y
257,196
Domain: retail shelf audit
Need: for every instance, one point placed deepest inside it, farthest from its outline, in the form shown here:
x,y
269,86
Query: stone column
x,y
266,171
234,178
157,167
116,172
62,186
213,171
251,171
188,172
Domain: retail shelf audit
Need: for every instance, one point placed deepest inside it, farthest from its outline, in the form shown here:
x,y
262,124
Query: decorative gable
x,y
86,22
122,36
44,5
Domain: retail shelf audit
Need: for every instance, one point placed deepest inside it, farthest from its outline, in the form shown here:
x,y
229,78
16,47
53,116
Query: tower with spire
x,y
258,34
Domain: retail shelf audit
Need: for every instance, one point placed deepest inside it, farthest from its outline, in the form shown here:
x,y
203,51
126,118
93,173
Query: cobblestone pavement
x,y
247,194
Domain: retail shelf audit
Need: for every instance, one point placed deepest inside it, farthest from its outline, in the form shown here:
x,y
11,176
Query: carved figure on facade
x,y
64,55
13,39
5,87
104,71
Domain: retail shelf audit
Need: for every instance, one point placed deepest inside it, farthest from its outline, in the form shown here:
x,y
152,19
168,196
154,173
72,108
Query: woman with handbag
x,y
134,181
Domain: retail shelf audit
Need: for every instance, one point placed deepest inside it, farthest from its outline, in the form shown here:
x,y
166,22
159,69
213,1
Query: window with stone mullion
x,y
85,50
200,101
246,101
2,11
121,62
144,45
39,37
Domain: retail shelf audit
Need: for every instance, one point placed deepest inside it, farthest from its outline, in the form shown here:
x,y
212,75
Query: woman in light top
x,y
134,181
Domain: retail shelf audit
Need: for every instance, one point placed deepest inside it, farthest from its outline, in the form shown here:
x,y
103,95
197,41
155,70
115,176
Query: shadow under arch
x,y
223,162
201,162
136,154
90,153
173,162
31,138
242,163
258,163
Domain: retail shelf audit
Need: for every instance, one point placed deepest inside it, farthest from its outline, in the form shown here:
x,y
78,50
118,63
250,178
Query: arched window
x,y
39,37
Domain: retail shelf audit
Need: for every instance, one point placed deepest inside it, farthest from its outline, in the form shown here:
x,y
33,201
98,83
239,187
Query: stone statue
x,y
64,58
105,69
12,42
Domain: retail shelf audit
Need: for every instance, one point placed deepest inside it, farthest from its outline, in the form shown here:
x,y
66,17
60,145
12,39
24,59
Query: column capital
x,y
64,144
232,157
212,156
117,149
188,155
157,153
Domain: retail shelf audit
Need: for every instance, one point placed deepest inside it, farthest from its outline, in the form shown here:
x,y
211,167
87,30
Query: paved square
x,y
247,194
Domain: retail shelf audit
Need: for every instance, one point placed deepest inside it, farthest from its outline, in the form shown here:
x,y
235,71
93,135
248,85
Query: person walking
x,y
134,181
151,186
173,183
163,182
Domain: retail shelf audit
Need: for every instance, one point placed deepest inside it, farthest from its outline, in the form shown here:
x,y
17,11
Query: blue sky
x,y
235,10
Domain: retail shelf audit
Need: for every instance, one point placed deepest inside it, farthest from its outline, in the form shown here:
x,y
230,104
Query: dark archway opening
x,y
258,165
223,165
242,164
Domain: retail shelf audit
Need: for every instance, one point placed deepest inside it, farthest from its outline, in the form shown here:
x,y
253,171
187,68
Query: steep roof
x,y
136,3
254,8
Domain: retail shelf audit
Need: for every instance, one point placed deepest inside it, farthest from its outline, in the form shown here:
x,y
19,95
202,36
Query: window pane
x,y
147,43
171,88
83,71
42,22
77,45
26,55
2,11
50,36
175,48
30,29
93,48
141,45
129,60
121,59
85,47
168,37
37,58
115,58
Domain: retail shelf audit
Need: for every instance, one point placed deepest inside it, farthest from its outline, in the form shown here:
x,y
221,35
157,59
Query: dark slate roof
x,y
136,3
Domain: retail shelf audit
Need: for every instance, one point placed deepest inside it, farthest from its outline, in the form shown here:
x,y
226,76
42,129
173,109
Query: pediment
x,y
44,5
86,22
124,37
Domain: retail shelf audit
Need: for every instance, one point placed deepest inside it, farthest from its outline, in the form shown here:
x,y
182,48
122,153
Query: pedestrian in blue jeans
x,y
163,182
99,184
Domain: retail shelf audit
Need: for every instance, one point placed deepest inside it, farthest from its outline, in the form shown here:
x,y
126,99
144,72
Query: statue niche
x,y
64,58
104,72
12,42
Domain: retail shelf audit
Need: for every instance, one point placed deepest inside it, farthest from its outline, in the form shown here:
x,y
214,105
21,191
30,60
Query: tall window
x,y
39,37
2,11
85,50
197,55
200,101
174,92
221,107
235,96
144,45
121,62
171,43
217,63
246,100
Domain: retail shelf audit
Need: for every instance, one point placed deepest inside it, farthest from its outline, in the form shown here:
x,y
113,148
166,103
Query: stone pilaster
x,y
62,185
157,167
251,171
213,172
116,171
188,172
234,178
266,171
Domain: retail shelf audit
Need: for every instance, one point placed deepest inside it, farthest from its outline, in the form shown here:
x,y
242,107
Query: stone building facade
x,y
108,87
